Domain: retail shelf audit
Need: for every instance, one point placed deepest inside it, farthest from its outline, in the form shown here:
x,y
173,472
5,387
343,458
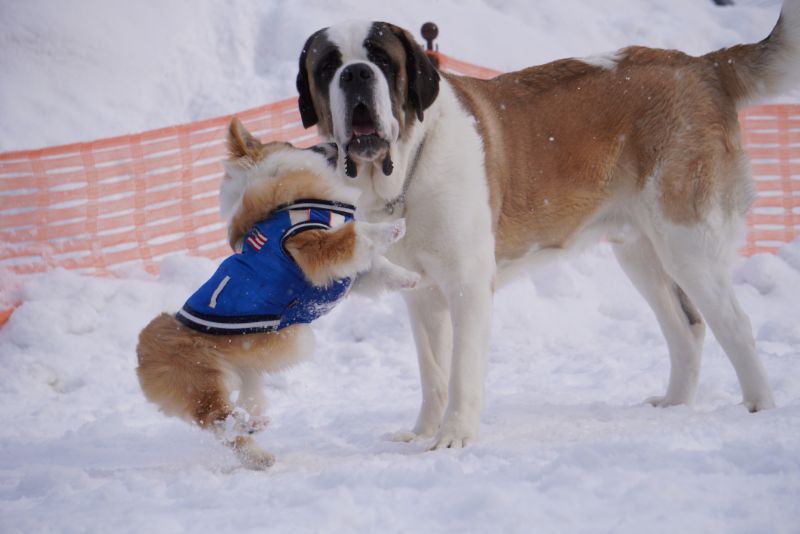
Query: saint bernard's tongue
x,y
362,122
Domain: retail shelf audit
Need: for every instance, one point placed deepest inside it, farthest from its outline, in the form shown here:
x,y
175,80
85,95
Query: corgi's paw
x,y
244,423
251,455
384,234
401,279
254,425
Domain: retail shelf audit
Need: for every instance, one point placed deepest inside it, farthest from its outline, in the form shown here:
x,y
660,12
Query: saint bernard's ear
x,y
423,78
305,103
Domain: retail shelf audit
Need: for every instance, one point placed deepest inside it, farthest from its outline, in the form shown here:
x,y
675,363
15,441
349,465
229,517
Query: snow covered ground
x,y
566,445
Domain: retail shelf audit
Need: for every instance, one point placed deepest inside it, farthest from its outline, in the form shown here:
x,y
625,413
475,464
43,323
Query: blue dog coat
x,y
262,289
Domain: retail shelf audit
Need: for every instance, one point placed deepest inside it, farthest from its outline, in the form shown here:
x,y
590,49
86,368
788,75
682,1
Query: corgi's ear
x,y
241,144
245,150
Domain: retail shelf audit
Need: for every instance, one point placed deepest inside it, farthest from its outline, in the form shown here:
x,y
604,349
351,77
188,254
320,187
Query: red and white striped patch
x,y
256,239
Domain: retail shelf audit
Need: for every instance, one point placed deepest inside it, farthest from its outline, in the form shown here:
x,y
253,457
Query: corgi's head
x,y
261,176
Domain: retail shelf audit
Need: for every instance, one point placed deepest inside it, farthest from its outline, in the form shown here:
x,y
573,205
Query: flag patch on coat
x,y
256,239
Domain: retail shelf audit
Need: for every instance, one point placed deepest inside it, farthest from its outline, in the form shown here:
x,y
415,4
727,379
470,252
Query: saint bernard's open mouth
x,y
365,142
362,121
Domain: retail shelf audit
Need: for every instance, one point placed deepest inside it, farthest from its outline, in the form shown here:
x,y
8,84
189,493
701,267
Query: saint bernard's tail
x,y
768,68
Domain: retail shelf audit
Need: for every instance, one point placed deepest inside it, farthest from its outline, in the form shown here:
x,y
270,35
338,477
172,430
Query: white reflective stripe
x,y
294,230
298,216
337,219
213,302
314,205
229,326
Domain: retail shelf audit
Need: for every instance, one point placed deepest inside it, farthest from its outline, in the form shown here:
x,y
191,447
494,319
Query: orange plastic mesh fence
x,y
136,198
772,140
129,199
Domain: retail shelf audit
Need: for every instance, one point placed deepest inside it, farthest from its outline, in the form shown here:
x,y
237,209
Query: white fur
x,y
239,176
384,275
606,61
387,126
457,266
349,37
372,240
449,240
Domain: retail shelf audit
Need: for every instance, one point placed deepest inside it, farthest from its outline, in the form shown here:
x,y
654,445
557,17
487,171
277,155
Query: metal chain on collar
x,y
401,198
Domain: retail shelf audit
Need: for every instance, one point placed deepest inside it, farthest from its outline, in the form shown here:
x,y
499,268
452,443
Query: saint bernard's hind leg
x,y
681,324
698,257
433,335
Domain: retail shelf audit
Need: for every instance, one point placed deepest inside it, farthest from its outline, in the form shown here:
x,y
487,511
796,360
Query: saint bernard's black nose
x,y
354,75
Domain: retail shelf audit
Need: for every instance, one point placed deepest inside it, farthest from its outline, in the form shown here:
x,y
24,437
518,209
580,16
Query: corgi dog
x,y
297,250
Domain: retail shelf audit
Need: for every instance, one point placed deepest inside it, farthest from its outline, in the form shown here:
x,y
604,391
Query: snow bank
x,y
97,68
565,446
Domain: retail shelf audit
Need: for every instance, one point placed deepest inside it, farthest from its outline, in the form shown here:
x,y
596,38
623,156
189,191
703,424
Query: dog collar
x,y
400,199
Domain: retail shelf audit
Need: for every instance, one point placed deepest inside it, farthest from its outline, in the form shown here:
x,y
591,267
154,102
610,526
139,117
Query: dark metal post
x,y
430,31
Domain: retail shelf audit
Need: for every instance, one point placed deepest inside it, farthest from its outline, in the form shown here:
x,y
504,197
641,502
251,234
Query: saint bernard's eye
x,y
379,57
327,68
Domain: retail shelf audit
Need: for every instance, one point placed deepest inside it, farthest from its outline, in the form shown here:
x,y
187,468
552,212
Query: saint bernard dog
x,y
641,147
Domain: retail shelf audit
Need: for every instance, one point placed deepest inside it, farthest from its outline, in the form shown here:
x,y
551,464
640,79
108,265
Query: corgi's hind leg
x,y
235,430
253,401
234,425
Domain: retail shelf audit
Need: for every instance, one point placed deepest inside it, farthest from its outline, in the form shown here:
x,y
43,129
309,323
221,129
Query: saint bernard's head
x,y
364,84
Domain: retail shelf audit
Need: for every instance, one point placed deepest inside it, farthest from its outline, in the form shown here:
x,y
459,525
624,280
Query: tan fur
x,y
566,140
321,99
246,149
752,71
191,374
402,110
642,147
186,373
262,198
315,250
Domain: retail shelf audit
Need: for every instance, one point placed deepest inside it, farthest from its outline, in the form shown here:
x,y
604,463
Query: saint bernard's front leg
x,y
433,334
462,267
451,325
471,312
